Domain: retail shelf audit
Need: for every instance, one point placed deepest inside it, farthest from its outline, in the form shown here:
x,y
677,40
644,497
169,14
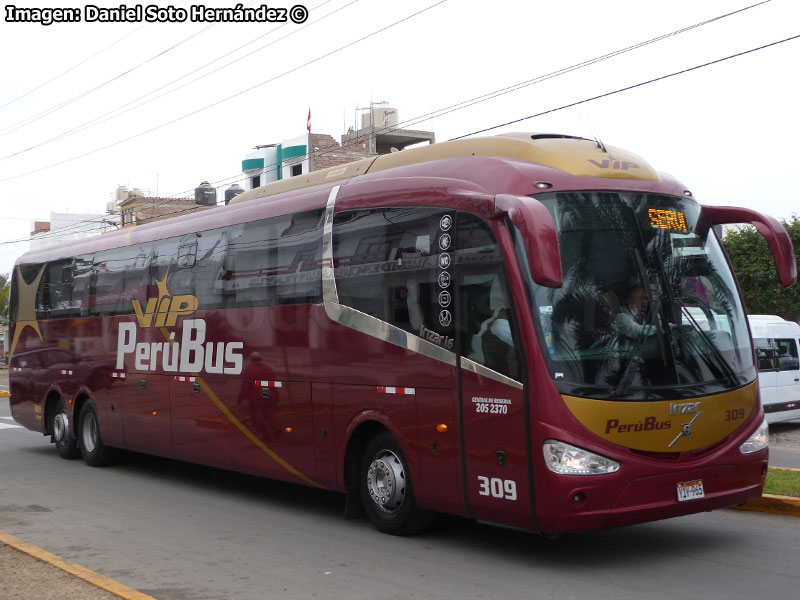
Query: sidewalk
x,y
28,573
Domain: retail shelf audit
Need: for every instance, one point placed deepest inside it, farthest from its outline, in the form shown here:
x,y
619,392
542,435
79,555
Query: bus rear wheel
x,y
387,493
95,452
66,445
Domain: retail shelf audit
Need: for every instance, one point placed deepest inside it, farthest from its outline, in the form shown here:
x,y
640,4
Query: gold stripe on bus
x,y
242,427
669,425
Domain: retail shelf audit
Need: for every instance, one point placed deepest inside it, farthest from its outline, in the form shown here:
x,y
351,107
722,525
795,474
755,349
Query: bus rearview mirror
x,y
769,227
539,236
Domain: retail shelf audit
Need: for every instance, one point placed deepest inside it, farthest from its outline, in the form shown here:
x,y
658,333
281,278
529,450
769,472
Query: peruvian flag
x,y
308,121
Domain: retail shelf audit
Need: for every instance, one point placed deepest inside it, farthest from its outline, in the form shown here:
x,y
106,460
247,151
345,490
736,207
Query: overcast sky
x,y
729,131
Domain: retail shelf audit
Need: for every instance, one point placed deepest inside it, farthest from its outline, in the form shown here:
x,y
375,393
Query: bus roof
x,y
574,155
489,165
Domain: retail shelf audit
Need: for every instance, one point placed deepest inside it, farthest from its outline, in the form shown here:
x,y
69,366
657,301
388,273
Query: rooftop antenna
x,y
588,123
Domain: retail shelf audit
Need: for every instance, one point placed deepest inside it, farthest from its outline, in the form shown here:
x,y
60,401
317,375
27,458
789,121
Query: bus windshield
x,y
648,310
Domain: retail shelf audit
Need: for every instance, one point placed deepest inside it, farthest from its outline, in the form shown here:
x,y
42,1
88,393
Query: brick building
x,y
137,209
379,134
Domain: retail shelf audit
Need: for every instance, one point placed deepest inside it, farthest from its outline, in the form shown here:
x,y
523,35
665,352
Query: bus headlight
x,y
758,441
567,459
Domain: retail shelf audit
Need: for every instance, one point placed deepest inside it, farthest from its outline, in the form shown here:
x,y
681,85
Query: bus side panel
x,y
324,440
23,388
146,414
273,422
107,393
438,486
200,431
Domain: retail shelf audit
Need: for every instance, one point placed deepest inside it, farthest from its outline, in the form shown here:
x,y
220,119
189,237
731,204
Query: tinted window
x,y
274,261
485,315
54,298
122,275
387,266
424,270
787,355
765,354
266,262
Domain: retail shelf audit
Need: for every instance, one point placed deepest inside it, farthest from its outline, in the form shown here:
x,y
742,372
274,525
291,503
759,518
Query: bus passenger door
x,y
493,401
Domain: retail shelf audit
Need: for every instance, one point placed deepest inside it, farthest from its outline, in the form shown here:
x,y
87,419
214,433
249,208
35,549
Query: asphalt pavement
x,y
30,572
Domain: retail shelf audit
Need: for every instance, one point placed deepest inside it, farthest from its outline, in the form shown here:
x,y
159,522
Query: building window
x,y
297,169
128,216
255,181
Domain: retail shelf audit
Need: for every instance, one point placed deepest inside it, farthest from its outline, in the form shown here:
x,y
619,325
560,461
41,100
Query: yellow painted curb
x,y
779,505
78,571
4,394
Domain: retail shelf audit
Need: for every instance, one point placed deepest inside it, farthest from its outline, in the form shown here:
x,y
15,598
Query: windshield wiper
x,y
720,361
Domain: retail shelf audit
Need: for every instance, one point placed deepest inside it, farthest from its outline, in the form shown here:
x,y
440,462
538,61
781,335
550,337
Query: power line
x,y
118,112
72,68
630,87
231,97
513,88
56,107
549,111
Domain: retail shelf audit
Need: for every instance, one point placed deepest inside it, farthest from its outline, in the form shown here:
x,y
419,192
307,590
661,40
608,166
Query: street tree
x,y
755,268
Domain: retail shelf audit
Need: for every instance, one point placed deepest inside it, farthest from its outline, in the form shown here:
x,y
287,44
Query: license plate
x,y
690,490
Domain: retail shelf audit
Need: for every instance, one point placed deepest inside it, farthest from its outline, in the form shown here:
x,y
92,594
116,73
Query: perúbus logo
x,y
192,354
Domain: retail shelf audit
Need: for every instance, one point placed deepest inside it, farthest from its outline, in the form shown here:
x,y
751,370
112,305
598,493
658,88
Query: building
x,y
68,227
379,134
135,208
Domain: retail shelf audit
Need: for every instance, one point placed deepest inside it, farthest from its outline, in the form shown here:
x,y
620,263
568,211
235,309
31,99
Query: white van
x,y
776,342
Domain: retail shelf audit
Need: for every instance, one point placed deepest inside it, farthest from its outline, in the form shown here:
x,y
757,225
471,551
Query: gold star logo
x,y
162,286
26,308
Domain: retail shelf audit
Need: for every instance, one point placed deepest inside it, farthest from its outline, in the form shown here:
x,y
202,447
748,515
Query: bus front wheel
x,y
95,452
387,493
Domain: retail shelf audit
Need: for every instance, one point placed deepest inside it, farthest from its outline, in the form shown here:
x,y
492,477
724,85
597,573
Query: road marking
x,y
95,579
11,425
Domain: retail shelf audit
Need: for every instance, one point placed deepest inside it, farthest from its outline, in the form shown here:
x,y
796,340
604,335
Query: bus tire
x,y
387,493
95,452
66,445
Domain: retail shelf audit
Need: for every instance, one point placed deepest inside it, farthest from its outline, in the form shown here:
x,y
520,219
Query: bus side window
x,y
54,296
121,275
299,260
486,321
787,355
387,265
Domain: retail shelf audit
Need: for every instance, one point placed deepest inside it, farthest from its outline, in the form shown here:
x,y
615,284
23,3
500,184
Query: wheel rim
x,y
60,426
386,481
89,433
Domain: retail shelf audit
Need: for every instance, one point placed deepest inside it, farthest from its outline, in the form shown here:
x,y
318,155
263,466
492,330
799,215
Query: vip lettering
x,y
192,354
688,408
435,338
648,424
613,163
43,16
164,311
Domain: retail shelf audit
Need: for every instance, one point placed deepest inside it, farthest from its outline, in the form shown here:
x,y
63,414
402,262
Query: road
x,y
176,531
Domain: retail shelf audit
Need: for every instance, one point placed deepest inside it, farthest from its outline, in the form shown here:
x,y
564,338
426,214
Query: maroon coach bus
x,y
536,331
